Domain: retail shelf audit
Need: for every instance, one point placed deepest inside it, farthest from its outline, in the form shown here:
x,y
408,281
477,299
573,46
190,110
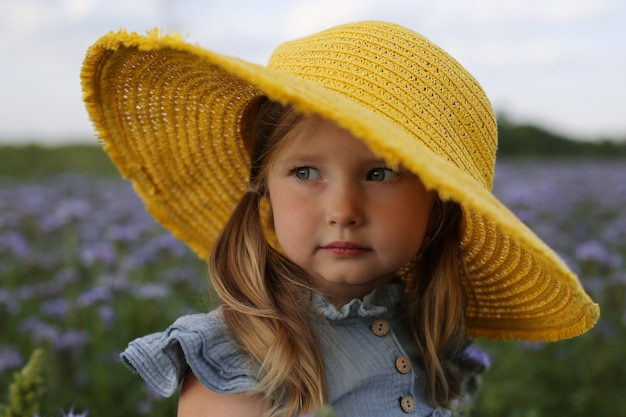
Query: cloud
x,y
573,10
498,12
309,17
33,17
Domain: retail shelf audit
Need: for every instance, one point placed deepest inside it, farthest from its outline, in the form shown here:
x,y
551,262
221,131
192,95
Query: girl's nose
x,y
345,207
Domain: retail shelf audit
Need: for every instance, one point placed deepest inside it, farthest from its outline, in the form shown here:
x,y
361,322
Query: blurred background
x,y
84,269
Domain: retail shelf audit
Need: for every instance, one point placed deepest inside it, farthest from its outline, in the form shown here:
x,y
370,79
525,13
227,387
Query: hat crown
x,y
407,79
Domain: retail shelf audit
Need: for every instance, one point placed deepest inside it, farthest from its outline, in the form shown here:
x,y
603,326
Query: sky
x,y
559,64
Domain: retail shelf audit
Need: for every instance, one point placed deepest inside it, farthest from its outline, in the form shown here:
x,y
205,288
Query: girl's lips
x,y
346,249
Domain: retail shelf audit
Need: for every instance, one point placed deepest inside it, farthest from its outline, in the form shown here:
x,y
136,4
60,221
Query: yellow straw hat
x,y
170,115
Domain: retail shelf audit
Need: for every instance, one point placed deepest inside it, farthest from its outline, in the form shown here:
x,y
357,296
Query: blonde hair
x,y
434,303
261,290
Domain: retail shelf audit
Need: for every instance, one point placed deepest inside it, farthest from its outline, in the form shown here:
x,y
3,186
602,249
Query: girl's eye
x,y
306,173
381,174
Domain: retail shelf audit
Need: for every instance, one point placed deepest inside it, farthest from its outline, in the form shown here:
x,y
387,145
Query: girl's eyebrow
x,y
378,161
304,158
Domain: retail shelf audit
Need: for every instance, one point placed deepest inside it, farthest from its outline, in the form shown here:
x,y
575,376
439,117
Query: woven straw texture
x,y
170,115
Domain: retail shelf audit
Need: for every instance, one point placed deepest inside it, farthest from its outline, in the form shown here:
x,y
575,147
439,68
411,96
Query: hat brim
x,y
156,101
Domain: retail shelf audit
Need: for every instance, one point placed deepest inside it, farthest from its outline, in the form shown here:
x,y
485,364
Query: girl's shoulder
x,y
198,341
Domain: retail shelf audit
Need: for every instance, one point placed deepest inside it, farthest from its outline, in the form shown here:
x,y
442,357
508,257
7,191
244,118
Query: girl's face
x,y
342,215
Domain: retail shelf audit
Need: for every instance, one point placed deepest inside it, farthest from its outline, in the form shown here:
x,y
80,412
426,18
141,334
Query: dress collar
x,y
376,303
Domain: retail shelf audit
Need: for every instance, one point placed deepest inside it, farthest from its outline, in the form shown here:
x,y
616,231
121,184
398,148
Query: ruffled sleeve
x,y
199,342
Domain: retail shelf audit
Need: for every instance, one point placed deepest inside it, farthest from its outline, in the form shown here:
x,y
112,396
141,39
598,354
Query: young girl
x,y
342,198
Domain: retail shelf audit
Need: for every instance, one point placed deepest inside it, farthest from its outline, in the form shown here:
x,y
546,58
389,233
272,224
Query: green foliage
x,y
595,372
533,141
34,161
26,390
326,412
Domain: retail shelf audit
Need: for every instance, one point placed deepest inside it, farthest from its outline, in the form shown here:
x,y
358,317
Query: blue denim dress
x,y
371,362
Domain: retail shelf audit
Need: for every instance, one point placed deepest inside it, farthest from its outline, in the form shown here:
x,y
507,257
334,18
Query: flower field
x,y
84,270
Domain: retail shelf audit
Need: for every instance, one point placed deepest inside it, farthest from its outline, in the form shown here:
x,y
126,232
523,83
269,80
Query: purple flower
x,y
70,210
27,292
594,251
38,330
159,247
115,281
56,307
10,358
151,291
125,232
533,345
179,274
8,300
71,339
473,359
15,244
106,314
66,276
97,252
94,295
